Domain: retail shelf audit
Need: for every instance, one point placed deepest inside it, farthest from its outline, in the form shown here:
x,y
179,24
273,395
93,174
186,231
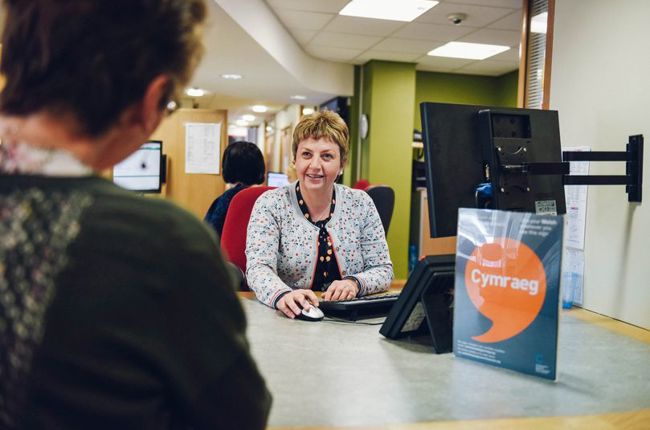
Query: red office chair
x,y
233,237
361,184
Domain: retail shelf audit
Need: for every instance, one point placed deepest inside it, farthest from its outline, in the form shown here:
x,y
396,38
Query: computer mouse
x,y
310,313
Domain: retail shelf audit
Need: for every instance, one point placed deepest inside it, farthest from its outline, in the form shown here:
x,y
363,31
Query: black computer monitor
x,y
142,171
466,146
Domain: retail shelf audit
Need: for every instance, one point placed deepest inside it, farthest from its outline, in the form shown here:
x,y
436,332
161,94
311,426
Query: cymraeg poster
x,y
507,290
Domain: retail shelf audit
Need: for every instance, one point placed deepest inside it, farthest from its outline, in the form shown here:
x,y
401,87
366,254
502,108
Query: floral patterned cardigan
x,y
282,246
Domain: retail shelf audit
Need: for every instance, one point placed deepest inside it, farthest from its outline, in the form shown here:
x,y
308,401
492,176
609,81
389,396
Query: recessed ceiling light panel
x,y
259,108
392,10
298,97
470,51
248,117
231,76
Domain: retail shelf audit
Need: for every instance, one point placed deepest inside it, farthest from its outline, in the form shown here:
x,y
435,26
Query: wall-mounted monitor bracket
x,y
510,170
633,178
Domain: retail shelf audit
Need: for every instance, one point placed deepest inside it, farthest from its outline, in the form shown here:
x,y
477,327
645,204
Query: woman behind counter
x,y
314,234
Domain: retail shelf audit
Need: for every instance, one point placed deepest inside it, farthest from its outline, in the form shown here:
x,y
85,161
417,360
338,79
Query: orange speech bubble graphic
x,y
506,282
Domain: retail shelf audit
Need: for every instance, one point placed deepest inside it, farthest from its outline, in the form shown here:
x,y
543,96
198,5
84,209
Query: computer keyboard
x,y
372,306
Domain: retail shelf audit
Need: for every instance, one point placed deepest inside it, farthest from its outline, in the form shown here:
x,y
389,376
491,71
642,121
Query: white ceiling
x,y
321,32
287,47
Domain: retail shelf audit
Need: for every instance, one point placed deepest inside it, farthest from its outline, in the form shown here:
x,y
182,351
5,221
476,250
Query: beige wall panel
x,y
194,192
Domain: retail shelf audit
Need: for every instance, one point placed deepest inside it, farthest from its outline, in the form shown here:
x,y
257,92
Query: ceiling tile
x,y
367,26
432,32
302,36
334,54
406,45
510,22
494,37
343,40
514,4
511,55
304,20
477,16
488,68
373,54
329,6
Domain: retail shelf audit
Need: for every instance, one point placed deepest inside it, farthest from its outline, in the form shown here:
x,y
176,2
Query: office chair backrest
x,y
384,198
233,237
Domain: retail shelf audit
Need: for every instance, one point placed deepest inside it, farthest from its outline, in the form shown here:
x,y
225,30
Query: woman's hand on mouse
x,y
291,304
345,289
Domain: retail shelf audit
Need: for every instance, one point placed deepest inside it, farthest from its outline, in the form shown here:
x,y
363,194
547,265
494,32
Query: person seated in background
x,y
314,234
116,311
242,166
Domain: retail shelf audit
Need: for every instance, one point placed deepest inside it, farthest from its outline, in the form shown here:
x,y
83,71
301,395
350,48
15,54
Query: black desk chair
x,y
384,198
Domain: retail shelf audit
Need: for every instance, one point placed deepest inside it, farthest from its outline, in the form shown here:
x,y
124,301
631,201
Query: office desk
x,y
329,375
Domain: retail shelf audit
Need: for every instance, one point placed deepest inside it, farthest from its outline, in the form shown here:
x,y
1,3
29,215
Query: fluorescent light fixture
x,y
242,123
298,97
231,76
392,10
538,23
307,111
248,117
259,108
195,92
471,51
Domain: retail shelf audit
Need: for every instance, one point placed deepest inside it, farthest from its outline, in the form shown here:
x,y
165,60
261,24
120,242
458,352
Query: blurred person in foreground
x,y
116,311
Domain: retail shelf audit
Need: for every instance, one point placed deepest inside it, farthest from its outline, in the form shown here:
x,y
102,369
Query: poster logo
x,y
506,282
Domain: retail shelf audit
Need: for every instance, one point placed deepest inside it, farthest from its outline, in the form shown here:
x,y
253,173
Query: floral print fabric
x,y
327,269
35,230
282,246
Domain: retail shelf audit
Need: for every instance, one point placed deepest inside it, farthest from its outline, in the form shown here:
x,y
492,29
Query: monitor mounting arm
x,y
514,164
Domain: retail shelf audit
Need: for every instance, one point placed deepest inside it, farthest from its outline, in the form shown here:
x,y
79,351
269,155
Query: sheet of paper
x,y
202,147
576,203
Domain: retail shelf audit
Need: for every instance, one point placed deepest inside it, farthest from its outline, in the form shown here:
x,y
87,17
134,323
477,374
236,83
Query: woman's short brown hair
x,y
323,124
95,58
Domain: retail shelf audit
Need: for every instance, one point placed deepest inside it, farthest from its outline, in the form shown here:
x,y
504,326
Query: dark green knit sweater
x,y
118,313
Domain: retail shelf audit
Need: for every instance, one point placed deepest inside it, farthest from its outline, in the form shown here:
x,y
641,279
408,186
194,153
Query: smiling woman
x,y
314,234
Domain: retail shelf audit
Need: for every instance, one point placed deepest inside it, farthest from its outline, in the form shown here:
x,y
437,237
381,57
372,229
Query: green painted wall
x,y
464,89
507,89
387,99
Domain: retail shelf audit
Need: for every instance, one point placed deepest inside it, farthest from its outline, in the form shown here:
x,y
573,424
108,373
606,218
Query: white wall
x,y
600,84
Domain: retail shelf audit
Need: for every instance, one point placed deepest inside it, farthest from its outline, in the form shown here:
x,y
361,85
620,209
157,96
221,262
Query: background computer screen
x,y
275,179
455,159
141,171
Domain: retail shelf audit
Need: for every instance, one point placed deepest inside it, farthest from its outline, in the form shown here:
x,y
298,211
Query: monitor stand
x,y
438,308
